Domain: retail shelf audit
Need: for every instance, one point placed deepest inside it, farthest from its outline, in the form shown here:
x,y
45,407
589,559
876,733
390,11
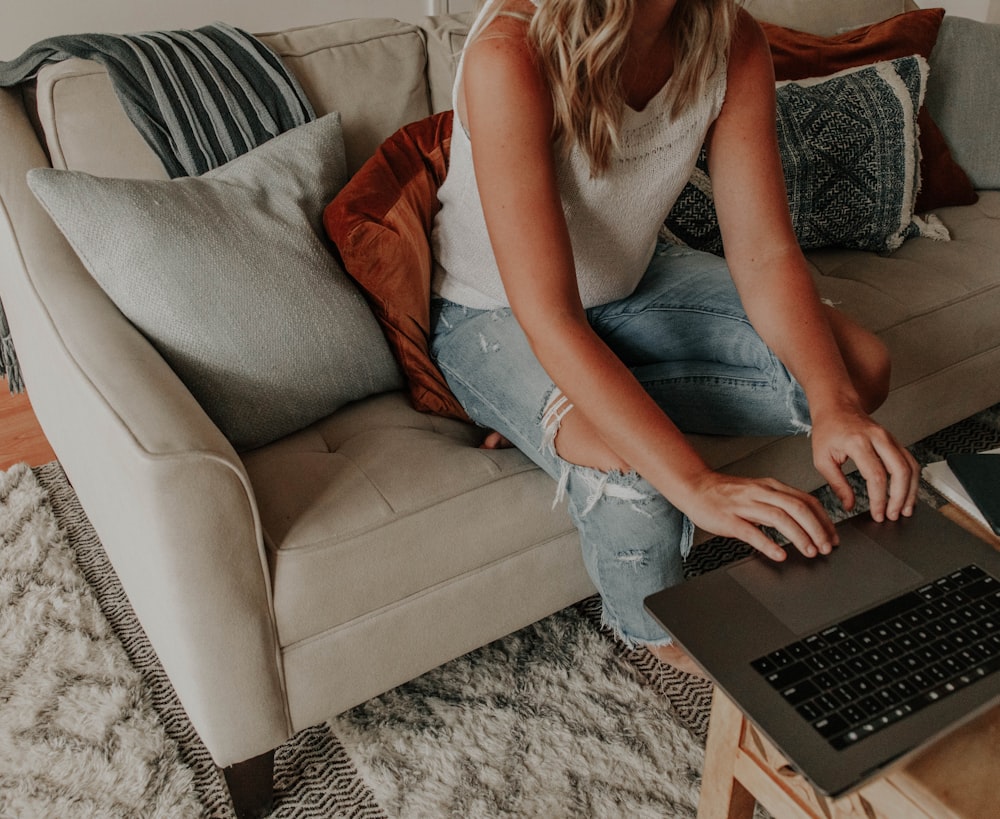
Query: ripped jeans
x,y
685,336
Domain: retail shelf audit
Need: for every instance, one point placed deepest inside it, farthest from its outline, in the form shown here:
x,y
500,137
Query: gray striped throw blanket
x,y
199,98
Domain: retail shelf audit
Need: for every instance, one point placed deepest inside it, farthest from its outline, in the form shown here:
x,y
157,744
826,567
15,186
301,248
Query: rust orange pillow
x,y
798,55
380,223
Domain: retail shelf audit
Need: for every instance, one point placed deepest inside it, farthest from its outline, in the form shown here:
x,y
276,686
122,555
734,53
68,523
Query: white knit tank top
x,y
613,219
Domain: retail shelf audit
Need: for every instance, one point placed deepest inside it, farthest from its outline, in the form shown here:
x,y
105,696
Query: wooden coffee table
x,y
956,778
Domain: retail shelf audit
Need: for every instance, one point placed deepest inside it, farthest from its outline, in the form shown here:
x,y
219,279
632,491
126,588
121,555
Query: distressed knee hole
x,y
556,408
488,346
596,487
613,485
638,558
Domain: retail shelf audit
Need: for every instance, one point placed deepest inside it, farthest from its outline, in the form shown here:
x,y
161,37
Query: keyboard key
x,y
809,712
850,647
816,663
855,714
831,726
800,692
973,572
929,592
833,655
834,634
790,674
798,650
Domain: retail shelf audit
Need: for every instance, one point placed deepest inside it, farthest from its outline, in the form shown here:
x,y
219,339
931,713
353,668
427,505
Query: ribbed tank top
x,y
613,219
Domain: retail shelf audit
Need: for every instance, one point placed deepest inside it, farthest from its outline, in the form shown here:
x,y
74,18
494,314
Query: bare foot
x,y
495,441
673,655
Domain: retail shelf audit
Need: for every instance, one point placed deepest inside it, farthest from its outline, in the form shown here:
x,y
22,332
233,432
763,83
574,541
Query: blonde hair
x,y
581,44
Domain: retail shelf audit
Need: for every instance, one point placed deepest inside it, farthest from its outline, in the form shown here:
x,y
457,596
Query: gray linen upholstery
x,y
963,95
229,277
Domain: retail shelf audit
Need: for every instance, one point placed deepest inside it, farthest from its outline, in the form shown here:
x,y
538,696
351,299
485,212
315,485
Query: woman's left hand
x,y
891,473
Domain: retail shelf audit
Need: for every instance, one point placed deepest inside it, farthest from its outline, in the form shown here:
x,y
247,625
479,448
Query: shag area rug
x,y
556,720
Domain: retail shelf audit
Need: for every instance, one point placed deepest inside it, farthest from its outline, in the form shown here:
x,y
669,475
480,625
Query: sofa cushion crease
x,y
319,527
343,469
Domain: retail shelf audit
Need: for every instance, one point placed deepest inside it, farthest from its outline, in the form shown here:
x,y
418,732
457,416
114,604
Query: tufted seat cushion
x,y
354,496
934,303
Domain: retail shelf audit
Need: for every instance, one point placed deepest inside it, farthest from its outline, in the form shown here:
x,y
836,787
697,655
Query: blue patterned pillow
x,y
851,161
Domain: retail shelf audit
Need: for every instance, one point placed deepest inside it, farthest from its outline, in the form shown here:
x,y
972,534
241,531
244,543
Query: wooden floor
x,y
21,439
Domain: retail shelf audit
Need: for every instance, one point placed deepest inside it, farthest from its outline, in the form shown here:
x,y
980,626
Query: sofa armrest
x,y
164,489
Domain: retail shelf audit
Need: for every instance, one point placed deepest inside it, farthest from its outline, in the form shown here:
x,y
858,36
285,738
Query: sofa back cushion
x,y
827,17
962,95
372,71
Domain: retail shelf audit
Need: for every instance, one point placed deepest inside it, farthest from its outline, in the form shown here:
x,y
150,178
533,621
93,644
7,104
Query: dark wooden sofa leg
x,y
251,786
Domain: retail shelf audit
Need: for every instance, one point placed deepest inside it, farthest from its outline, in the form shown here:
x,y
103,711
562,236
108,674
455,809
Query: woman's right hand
x,y
736,507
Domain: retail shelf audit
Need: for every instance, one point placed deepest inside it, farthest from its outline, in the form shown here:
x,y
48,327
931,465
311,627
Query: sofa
x,y
284,581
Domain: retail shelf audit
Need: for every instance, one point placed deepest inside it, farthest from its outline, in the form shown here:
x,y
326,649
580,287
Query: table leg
x,y
722,796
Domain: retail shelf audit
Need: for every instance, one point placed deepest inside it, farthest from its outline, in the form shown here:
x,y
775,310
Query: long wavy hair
x,y
581,44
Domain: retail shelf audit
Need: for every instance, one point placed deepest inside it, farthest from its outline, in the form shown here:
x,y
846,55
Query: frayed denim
x,y
685,336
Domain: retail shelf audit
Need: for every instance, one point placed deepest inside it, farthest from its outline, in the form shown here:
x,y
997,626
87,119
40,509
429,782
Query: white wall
x,y
988,10
23,22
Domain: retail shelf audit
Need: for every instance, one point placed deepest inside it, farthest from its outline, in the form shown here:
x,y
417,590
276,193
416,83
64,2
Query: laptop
x,y
852,662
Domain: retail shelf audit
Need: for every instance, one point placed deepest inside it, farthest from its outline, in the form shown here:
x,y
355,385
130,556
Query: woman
x,y
562,324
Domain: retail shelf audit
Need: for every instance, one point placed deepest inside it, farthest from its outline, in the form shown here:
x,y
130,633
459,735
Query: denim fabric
x,y
685,336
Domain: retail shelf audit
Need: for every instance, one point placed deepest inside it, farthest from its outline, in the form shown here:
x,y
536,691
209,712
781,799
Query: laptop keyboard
x,y
853,679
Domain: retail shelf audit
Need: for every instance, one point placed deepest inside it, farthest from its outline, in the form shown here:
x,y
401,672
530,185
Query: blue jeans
x,y
685,336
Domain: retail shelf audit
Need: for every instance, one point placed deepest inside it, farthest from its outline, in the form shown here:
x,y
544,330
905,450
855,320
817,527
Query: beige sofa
x,y
284,585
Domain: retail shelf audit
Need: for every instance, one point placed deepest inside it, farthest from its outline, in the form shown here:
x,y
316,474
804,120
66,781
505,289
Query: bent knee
x,y
872,374
868,361
575,439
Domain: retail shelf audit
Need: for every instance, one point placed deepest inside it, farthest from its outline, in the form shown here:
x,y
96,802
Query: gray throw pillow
x,y
963,96
851,160
230,277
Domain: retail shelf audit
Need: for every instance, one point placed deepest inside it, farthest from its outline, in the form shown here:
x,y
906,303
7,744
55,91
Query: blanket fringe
x,y
8,358
931,227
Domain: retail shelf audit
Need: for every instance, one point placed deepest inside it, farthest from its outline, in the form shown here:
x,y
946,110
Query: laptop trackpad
x,y
805,594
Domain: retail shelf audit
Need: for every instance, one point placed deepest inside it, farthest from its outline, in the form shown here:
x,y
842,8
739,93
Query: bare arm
x,y
777,290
